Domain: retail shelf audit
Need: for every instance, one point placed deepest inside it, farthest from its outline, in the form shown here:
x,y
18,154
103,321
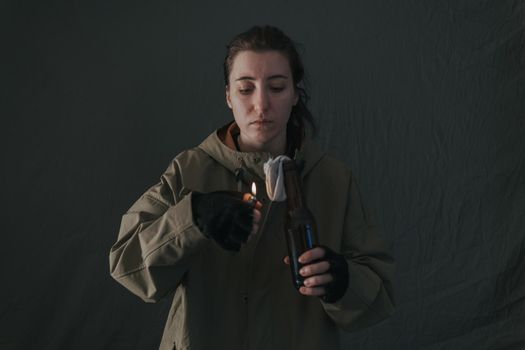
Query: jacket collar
x,y
307,156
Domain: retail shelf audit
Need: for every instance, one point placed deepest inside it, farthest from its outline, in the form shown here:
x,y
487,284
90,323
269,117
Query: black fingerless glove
x,y
339,270
224,217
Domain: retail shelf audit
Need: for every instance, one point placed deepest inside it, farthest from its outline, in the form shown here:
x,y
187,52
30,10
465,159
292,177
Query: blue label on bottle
x,y
309,234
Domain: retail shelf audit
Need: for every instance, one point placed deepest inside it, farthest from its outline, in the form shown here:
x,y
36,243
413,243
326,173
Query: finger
x,y
318,280
311,255
286,260
315,269
256,219
255,228
256,216
316,291
258,205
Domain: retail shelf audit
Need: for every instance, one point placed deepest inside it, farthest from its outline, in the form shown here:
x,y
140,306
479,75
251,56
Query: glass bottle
x,y
300,227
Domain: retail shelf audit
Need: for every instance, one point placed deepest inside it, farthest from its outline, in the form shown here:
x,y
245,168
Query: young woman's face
x,y
261,95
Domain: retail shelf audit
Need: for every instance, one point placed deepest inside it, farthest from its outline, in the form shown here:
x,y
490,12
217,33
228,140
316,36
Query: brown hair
x,y
264,38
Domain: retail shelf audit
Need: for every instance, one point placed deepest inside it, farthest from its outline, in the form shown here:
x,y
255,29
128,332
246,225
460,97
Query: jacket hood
x,y
307,156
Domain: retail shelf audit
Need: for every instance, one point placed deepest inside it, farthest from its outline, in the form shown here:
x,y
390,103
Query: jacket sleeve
x,y
369,297
157,240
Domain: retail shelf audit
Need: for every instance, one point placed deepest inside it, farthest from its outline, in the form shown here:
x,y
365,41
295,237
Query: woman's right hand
x,y
225,217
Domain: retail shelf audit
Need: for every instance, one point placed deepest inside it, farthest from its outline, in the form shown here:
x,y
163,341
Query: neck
x,y
276,148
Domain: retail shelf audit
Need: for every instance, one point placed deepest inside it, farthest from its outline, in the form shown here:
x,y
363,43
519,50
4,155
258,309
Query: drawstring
x,y
238,178
242,174
239,174
299,161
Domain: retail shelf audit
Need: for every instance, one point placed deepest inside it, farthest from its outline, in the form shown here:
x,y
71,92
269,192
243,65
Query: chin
x,y
264,138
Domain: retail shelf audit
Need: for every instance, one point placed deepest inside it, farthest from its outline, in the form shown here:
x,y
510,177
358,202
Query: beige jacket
x,y
246,300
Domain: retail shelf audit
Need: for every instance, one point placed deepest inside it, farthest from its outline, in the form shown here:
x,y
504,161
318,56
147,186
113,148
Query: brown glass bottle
x,y
300,228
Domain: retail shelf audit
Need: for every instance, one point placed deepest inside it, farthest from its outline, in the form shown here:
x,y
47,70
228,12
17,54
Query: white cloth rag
x,y
273,171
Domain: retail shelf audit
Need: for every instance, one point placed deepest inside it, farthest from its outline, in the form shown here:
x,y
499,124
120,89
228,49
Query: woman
x,y
193,234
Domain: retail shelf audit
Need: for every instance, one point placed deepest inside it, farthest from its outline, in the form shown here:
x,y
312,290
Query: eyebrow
x,y
276,76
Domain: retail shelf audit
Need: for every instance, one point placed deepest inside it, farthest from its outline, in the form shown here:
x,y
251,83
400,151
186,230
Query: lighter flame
x,y
254,189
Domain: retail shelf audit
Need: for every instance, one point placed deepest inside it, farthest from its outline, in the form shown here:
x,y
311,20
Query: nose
x,y
261,101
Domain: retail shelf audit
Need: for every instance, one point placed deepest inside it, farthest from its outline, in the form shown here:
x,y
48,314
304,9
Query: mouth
x,y
261,122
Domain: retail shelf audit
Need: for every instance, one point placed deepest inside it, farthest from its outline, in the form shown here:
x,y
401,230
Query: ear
x,y
228,100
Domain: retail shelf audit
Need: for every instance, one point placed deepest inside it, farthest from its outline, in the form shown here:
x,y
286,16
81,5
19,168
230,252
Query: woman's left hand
x,y
325,273
315,274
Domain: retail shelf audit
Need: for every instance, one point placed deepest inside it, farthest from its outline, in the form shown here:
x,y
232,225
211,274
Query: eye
x,y
277,88
245,91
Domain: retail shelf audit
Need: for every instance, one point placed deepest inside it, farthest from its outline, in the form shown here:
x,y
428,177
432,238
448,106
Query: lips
x,y
261,122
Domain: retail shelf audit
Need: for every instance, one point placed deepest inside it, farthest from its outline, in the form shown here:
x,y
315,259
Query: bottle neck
x,y
293,186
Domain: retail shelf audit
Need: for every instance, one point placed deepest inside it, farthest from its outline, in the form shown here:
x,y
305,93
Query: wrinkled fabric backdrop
x,y
424,100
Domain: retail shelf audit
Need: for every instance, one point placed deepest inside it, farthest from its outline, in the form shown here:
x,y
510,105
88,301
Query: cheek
x,y
235,103
239,110
240,107
285,107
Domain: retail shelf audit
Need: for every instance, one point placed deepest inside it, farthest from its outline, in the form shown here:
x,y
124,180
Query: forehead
x,y
259,65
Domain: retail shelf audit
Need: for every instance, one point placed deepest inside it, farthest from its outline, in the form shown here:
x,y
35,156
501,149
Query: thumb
x,y
286,260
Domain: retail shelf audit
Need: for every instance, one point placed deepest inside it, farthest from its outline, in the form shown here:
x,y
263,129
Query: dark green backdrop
x,y
425,100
